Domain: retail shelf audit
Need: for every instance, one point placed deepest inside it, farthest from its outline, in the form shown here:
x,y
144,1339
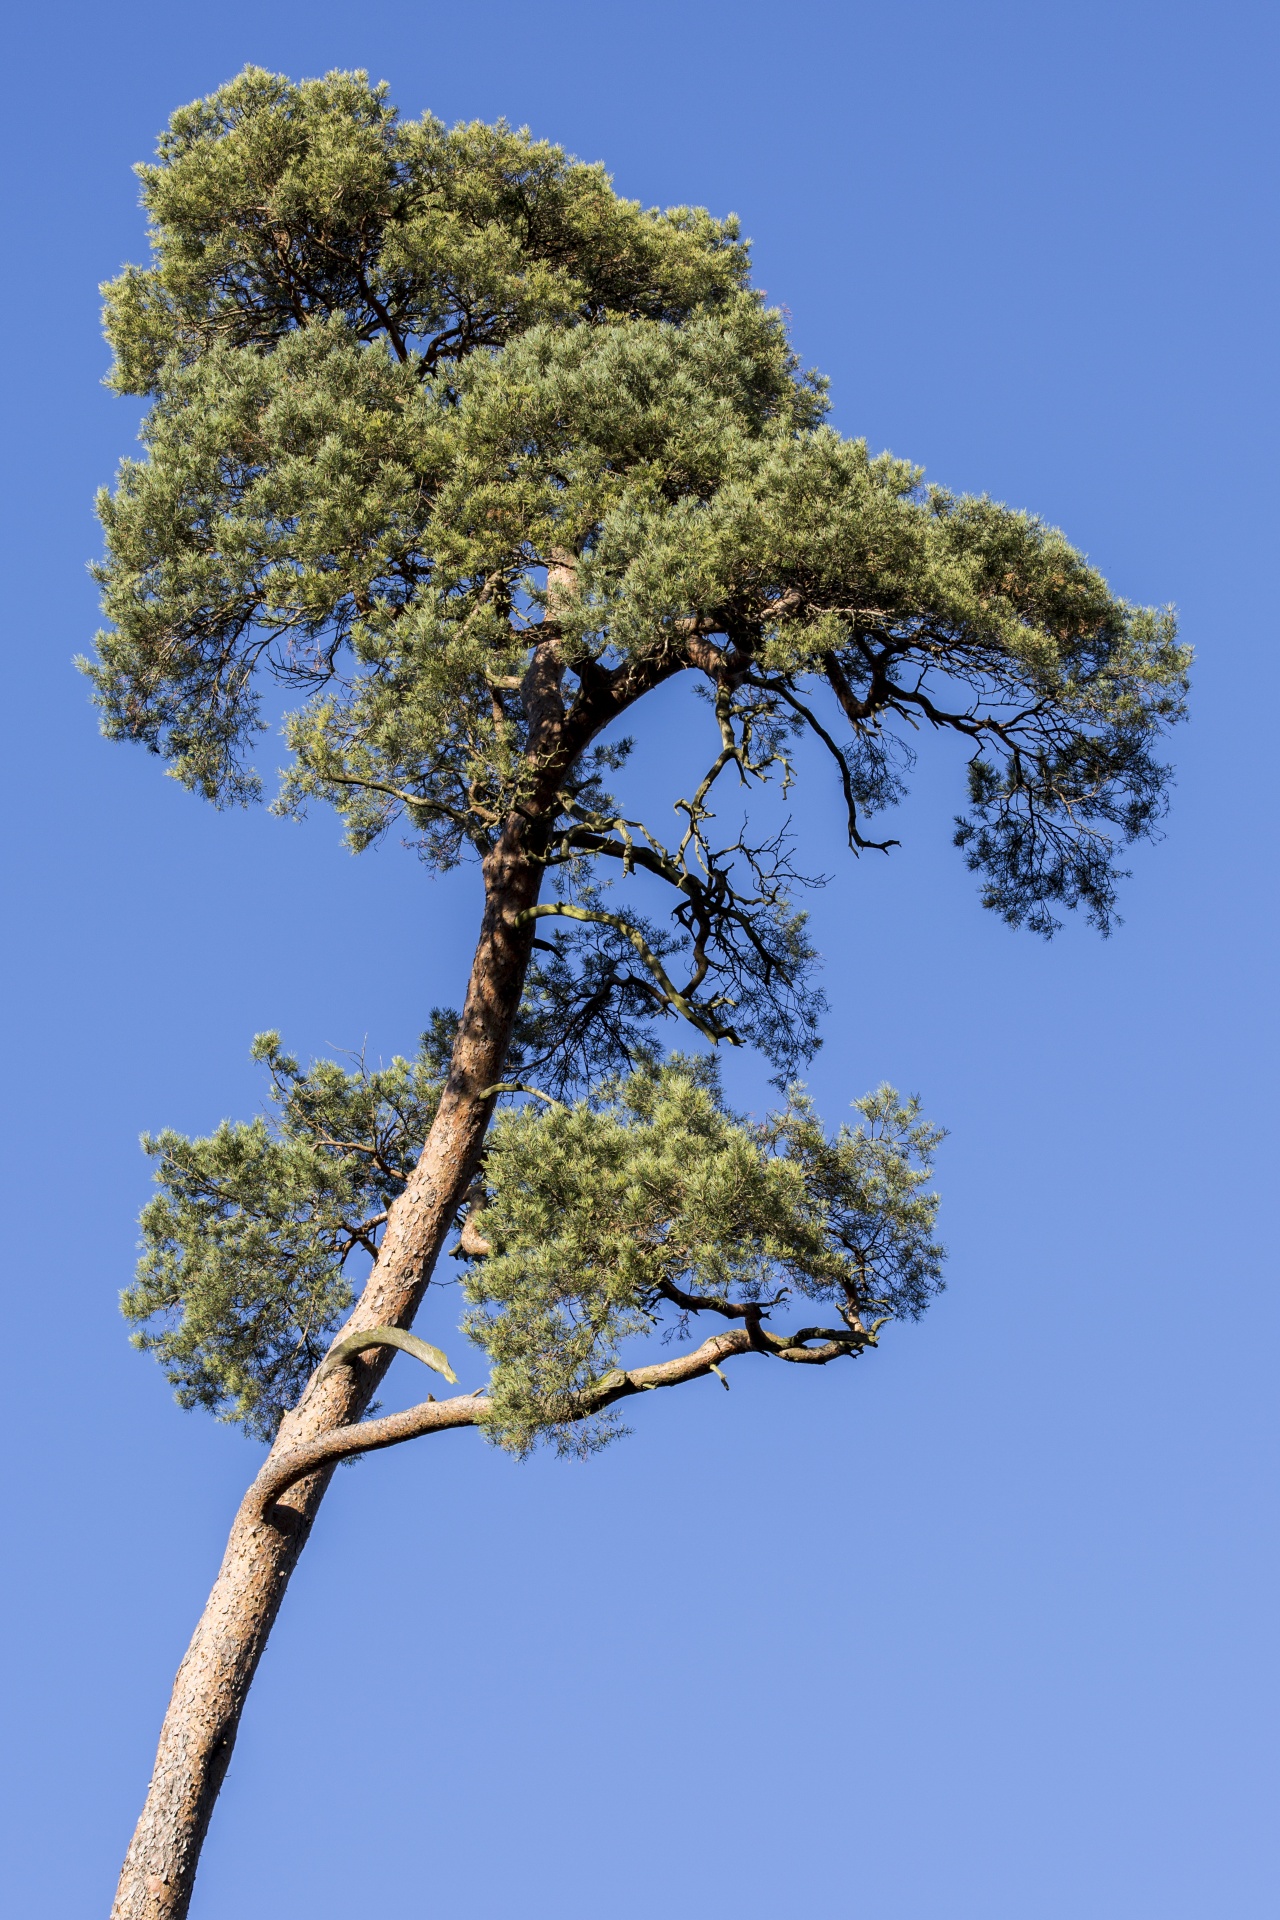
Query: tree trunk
x,y
209,1693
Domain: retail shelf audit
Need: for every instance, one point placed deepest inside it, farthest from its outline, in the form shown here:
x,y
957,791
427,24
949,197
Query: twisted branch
x,y
467,1410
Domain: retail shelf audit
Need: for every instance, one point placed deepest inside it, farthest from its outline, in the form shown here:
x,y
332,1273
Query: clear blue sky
x,y
983,1629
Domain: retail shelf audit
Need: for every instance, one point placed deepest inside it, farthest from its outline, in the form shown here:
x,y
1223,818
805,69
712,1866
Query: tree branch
x,y
354,1344
856,841
518,1086
695,1015
713,1303
467,1410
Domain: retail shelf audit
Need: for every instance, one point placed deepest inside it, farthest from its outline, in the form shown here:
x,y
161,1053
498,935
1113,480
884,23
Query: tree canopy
x,y
468,454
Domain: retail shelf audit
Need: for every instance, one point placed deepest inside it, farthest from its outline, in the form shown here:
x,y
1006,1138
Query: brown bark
x,y
209,1693
213,1681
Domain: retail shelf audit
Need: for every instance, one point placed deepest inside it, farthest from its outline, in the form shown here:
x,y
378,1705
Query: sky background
x,y
983,1629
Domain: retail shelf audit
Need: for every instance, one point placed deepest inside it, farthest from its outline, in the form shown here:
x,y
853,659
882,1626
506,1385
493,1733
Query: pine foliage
x,y
621,1215
243,1277
396,370
469,454
626,1216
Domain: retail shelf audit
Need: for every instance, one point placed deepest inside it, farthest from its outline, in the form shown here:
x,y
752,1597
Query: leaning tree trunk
x,y
209,1693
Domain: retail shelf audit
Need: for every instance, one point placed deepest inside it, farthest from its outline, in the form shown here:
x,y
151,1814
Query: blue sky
x,y
983,1628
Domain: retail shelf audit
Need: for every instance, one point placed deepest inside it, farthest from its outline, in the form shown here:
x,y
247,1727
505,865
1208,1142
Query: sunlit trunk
x,y
213,1681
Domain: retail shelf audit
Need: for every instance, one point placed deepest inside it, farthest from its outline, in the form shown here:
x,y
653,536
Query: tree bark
x,y
209,1693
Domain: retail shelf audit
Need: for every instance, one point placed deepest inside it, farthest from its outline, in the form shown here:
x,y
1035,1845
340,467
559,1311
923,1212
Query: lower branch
x,y
367,1436
467,1410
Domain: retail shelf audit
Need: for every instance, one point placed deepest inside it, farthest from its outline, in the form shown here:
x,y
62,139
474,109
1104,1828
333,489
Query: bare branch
x,y
349,1348
466,1410
697,1016
856,841
517,1086
713,1303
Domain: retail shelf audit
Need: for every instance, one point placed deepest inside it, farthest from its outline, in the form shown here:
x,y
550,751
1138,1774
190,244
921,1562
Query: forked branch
x,y
697,1016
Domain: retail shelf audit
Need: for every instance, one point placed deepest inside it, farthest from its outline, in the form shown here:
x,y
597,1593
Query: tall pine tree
x,y
471,456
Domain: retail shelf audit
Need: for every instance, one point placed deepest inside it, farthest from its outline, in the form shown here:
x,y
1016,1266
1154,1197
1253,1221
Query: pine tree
x,y
472,455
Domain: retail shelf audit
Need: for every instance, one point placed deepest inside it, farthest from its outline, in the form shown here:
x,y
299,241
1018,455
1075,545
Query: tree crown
x,y
470,455
426,399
